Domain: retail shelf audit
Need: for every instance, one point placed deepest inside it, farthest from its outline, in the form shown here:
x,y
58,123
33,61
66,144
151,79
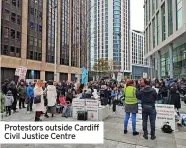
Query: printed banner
x,y
92,109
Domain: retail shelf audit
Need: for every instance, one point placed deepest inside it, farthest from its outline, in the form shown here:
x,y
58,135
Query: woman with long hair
x,y
39,107
131,106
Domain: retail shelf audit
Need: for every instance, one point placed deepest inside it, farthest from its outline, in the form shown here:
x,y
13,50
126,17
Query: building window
x,y
6,32
150,38
158,27
153,6
13,17
14,2
170,20
12,34
153,32
179,14
18,36
18,20
7,15
163,22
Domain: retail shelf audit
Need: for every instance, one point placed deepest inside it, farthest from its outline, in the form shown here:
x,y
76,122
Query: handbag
x,y
37,99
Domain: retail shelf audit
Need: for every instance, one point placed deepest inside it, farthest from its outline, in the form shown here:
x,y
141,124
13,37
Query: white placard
x,y
92,109
21,71
119,77
144,75
77,105
165,113
51,132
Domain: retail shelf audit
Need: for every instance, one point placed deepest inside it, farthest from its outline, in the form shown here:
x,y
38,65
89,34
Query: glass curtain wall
x,y
51,14
179,61
179,14
106,29
170,18
165,65
163,22
65,32
116,32
158,27
153,33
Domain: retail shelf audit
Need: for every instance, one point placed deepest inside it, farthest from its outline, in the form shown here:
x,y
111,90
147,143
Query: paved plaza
x,y
113,134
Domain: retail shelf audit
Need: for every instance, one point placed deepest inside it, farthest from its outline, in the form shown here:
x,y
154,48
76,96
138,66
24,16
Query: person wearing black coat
x,y
13,89
175,98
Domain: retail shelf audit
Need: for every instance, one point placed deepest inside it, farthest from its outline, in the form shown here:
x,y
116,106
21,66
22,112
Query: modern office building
x,y
139,64
165,37
109,33
28,38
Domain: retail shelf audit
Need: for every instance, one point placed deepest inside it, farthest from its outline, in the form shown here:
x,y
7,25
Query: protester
x,y
148,97
30,97
131,106
2,104
4,87
13,89
114,95
9,99
39,107
22,94
51,98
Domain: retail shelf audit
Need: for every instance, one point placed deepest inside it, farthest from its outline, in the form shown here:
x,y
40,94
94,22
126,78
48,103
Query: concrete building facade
x,y
109,33
28,38
165,37
139,64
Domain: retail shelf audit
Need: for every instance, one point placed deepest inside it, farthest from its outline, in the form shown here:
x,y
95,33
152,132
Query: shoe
x,y
125,131
135,133
28,112
152,137
46,116
145,136
52,115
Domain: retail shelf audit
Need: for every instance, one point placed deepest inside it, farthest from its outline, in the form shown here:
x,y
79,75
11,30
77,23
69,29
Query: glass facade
x,y
163,22
179,61
153,33
179,14
106,29
51,14
117,31
158,28
165,64
65,35
170,18
153,6
34,42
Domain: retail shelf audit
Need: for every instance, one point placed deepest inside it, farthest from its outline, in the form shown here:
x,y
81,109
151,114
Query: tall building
x,y
165,37
28,38
109,33
139,64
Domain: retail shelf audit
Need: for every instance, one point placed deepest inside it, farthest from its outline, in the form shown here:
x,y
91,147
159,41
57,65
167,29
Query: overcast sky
x,y
137,15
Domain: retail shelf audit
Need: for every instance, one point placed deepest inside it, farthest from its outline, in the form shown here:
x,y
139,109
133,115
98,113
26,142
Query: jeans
x,y
30,104
127,116
152,116
8,110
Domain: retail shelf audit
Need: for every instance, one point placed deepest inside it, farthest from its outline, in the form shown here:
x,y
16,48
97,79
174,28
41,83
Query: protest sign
x,y
92,109
21,71
165,113
77,105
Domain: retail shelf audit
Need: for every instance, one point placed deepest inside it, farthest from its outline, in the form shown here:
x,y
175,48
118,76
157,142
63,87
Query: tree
x,y
101,65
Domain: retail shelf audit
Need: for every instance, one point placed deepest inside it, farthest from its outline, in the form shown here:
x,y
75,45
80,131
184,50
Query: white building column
x,y
171,59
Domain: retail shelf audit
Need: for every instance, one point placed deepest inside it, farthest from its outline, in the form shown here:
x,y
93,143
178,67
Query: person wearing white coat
x,y
51,94
39,107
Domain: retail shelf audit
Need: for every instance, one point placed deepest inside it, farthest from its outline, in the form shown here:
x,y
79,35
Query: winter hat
x,y
9,93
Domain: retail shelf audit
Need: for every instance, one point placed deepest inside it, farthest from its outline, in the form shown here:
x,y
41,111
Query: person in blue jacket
x,y
30,96
114,96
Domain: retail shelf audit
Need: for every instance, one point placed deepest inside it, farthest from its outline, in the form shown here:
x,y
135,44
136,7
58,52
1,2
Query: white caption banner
x,y
51,132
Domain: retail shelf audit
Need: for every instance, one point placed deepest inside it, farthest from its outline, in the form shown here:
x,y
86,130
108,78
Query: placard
x,y
92,109
165,113
21,71
77,105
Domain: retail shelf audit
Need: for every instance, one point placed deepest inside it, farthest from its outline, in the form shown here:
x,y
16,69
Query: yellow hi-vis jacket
x,y
130,95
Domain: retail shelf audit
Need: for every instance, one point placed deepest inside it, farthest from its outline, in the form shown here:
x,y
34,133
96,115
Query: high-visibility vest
x,y
130,95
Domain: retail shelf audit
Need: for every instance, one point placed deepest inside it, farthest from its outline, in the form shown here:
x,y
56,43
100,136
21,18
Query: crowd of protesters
x,y
127,93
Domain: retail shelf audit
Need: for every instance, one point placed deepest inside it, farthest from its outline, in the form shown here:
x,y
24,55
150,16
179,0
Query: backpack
x,y
166,128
